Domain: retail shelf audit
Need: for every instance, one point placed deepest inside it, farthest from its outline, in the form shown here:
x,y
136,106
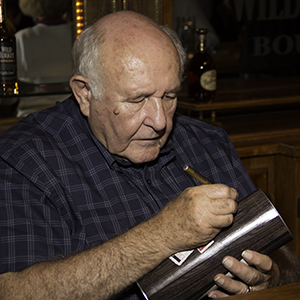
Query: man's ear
x,y
81,90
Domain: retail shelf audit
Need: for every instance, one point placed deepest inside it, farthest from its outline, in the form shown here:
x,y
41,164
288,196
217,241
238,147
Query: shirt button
x,y
149,181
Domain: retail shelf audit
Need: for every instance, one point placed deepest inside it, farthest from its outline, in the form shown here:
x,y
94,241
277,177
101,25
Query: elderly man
x,y
93,195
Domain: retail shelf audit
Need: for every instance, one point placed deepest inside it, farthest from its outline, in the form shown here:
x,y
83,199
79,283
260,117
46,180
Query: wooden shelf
x,y
240,94
263,128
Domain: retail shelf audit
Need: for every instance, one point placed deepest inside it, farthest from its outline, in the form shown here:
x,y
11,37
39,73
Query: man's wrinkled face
x,y
134,118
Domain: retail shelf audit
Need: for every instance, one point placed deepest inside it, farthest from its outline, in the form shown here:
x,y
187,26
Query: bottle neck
x,y
202,40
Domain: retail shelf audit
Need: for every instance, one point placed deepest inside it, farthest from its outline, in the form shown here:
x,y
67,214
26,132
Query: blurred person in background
x,y
44,50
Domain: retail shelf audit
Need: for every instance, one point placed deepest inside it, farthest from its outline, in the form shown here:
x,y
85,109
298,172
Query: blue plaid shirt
x,y
62,192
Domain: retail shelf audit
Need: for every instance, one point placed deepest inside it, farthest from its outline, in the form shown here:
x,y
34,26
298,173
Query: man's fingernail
x,y
227,262
212,296
247,254
219,280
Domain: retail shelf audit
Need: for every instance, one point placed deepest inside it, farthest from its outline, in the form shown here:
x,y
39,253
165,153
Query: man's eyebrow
x,y
137,96
175,90
145,95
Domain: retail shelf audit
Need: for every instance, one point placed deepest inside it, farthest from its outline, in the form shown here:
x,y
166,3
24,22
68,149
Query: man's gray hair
x,y
178,45
87,56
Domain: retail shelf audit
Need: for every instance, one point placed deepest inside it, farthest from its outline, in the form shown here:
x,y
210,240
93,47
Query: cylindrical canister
x,y
189,275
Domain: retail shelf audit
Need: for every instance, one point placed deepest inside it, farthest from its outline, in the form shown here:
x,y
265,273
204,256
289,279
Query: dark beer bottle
x,y
8,69
202,75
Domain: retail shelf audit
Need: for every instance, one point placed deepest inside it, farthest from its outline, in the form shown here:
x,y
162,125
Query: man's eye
x,y
170,97
138,100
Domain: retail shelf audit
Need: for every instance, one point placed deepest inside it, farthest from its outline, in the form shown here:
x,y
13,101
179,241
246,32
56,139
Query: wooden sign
x,y
271,36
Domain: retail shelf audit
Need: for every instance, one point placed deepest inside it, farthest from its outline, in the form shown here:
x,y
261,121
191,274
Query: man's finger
x,y
262,262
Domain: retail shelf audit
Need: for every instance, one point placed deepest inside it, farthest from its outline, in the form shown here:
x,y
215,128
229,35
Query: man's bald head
x,y
104,44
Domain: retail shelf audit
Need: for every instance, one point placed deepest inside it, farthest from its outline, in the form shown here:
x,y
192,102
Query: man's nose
x,y
156,115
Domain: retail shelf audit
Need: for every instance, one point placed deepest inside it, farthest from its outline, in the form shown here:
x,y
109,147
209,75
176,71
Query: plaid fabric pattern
x,y
62,192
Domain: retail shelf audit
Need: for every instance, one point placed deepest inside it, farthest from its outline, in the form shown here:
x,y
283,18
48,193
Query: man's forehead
x,y
131,49
130,43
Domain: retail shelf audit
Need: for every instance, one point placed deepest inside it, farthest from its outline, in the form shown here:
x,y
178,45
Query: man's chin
x,y
140,157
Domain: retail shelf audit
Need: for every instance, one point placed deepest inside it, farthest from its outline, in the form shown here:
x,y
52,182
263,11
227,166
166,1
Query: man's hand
x,y
260,273
196,216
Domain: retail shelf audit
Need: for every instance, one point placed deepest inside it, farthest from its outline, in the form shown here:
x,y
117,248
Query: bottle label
x,y
7,62
208,80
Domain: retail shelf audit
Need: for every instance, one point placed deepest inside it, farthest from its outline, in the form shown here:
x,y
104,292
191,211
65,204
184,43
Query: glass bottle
x,y
8,69
202,75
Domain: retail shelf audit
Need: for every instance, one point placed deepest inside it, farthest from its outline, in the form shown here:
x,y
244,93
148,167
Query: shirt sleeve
x,y
35,225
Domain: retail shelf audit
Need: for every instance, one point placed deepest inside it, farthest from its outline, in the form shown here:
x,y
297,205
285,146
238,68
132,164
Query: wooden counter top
x,y
286,292
238,93
264,133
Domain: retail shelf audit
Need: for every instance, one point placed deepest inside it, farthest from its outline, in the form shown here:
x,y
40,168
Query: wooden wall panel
x,y
277,174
